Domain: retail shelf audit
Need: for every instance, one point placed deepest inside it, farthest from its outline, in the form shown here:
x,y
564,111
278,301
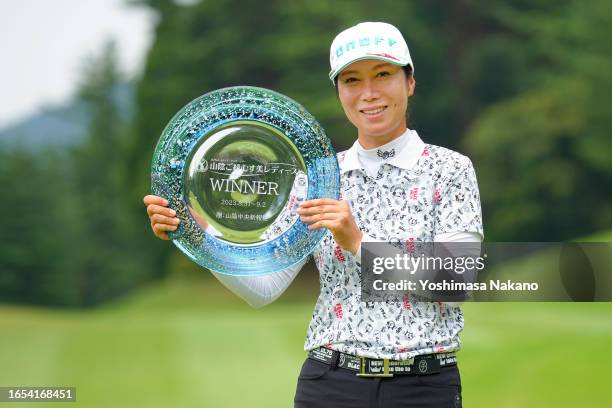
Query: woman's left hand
x,y
337,217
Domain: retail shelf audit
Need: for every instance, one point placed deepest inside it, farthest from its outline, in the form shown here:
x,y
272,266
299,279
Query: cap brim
x,y
334,73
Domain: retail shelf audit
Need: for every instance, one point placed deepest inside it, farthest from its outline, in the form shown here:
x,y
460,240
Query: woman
x,y
393,187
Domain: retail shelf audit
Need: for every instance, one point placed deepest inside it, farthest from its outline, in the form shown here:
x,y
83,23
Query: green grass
x,y
188,342
179,344
536,354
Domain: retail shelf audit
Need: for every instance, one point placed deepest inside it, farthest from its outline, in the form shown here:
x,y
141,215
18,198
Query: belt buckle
x,y
384,374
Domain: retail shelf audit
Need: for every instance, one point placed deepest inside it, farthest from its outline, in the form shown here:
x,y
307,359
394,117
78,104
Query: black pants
x,y
322,386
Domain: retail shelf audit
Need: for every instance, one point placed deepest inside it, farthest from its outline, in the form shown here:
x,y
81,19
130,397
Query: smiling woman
x,y
394,187
374,96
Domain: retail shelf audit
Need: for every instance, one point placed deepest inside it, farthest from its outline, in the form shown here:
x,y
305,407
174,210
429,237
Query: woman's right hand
x,y
163,219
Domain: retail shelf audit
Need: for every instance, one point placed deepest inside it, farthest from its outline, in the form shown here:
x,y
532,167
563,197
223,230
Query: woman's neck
x,y
372,142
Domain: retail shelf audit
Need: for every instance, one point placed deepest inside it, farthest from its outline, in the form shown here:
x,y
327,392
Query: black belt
x,y
371,367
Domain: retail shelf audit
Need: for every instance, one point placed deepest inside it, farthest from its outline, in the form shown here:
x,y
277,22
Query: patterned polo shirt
x,y
422,192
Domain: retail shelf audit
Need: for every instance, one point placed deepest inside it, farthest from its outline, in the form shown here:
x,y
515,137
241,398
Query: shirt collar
x,y
405,159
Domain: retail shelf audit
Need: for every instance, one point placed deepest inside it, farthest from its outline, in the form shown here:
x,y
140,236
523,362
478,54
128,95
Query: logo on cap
x,y
363,42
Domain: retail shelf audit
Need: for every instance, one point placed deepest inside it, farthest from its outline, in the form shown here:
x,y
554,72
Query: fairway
x,y
187,343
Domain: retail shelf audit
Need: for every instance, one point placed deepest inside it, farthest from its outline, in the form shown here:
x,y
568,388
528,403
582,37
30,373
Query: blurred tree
x,y
543,152
37,229
67,239
106,253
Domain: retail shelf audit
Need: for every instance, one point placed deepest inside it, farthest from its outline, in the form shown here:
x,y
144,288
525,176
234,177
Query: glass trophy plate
x,y
235,164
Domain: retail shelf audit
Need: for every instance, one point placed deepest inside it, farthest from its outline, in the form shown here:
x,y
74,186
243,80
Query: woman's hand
x,y
162,218
337,217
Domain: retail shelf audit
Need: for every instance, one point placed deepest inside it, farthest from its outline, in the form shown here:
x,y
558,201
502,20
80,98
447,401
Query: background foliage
x,y
520,87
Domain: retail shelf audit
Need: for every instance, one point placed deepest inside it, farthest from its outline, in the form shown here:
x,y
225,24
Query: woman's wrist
x,y
354,248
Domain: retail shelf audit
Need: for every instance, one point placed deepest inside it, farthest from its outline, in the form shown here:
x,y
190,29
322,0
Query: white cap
x,y
368,40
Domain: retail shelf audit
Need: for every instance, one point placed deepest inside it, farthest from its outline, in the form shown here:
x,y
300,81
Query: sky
x,y
44,44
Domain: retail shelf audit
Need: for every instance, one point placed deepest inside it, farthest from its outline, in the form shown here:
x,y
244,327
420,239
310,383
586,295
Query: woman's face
x,y
374,95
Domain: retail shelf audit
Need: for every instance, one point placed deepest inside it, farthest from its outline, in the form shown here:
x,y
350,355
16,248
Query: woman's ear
x,y
411,84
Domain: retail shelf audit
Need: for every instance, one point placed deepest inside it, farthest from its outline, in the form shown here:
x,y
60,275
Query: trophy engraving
x,y
241,178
